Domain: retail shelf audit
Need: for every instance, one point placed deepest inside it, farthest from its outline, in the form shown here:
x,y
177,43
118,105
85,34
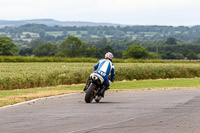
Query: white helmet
x,y
109,55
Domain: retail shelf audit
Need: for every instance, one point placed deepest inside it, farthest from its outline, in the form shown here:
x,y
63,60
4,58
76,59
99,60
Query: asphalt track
x,y
149,111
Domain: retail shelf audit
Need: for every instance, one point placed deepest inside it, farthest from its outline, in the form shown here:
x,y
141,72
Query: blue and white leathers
x,y
104,67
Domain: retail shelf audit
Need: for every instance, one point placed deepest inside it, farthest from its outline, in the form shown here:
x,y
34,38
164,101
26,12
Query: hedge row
x,y
84,59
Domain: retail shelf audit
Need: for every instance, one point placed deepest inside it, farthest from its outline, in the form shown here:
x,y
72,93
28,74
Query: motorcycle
x,y
96,88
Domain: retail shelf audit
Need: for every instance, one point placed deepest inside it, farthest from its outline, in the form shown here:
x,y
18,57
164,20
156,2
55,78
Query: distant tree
x,y
36,42
72,47
135,51
46,49
103,41
91,52
185,51
7,47
61,38
179,56
42,34
49,38
104,49
118,53
153,55
169,55
192,55
171,41
26,52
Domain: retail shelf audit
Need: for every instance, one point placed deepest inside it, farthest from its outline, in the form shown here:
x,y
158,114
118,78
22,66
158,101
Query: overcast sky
x,y
133,12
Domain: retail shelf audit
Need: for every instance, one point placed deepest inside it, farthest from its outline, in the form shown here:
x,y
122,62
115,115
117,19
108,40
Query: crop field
x,y
55,33
31,75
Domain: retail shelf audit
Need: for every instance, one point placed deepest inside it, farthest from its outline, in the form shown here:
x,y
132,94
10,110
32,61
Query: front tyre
x,y
89,96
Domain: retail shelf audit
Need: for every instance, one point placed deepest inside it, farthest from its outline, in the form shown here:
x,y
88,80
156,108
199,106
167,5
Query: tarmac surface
x,y
148,111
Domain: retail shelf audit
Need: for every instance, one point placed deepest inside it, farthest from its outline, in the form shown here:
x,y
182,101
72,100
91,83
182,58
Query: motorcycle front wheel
x,y
89,96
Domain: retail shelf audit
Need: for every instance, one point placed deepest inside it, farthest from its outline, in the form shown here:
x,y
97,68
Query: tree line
x,y
74,47
71,47
171,48
59,33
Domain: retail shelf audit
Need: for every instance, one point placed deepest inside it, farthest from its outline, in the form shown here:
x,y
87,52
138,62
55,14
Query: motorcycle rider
x,y
103,68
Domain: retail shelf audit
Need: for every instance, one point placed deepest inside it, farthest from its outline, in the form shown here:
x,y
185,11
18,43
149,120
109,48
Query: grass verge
x,y
15,96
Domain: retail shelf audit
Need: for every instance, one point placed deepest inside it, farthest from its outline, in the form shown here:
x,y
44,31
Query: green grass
x,y
138,84
148,84
16,96
27,91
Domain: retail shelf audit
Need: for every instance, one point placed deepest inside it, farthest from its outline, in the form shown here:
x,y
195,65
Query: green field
x,y
32,75
8,97
55,33
157,84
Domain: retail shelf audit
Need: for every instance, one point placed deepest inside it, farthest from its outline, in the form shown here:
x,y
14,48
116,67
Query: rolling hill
x,y
51,22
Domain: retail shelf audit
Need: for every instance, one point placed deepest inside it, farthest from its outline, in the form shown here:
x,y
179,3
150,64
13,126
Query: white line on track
x,y
34,100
